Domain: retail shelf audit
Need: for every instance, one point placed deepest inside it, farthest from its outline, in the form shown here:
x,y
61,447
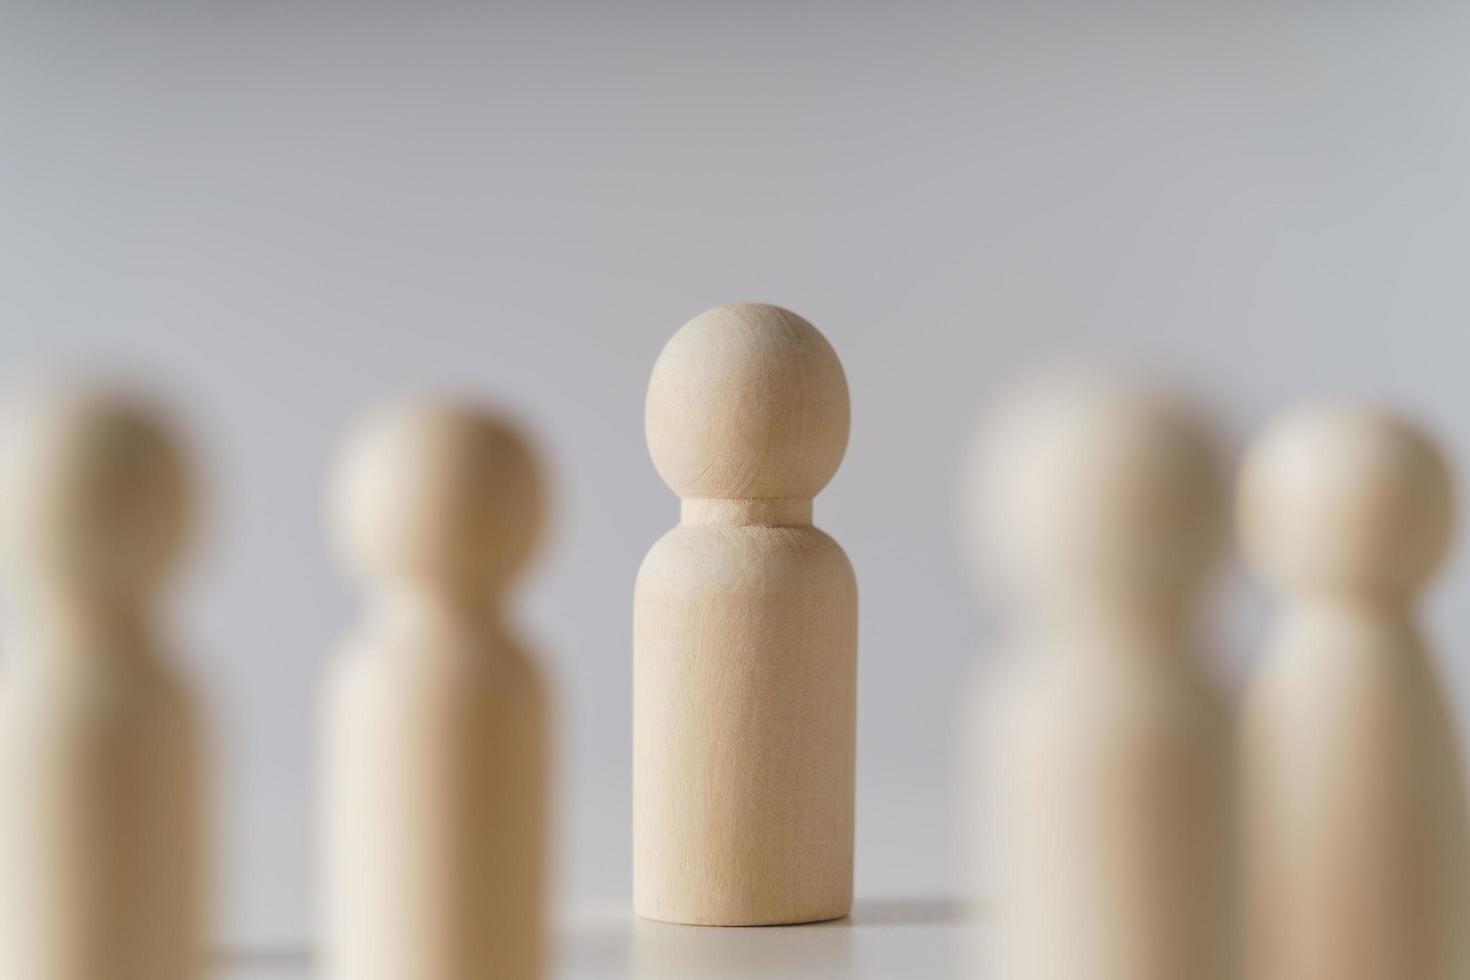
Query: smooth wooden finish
x,y
101,830
745,633
435,732
1355,804
1100,509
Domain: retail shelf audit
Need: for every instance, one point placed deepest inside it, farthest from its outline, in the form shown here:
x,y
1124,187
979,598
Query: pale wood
x,y
1356,813
435,729
102,827
1106,750
745,633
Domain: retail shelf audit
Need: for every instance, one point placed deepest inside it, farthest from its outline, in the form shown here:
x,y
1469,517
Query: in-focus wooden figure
x,y
745,633
1356,816
102,824
435,731
1100,510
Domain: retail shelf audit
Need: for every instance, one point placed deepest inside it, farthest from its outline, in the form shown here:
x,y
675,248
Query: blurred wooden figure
x,y
1100,511
100,764
745,633
1355,806
435,738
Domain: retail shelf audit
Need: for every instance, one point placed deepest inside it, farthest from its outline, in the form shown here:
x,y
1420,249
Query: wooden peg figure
x,y
745,633
1355,812
1100,512
435,761
101,831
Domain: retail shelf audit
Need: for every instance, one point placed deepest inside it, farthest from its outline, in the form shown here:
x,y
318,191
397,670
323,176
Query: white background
x,y
281,212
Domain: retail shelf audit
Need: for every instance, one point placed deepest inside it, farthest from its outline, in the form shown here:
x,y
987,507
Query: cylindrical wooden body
x,y
102,820
434,809
1355,806
744,706
1114,816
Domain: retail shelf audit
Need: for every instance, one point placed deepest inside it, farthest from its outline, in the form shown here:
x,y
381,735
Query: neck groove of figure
x,y
70,619
747,511
420,605
1148,620
1382,604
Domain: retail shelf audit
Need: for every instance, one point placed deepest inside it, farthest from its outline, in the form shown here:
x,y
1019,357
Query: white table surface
x,y
884,939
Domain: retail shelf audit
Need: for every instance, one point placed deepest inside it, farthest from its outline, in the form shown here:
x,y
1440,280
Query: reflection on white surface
x,y
271,964
884,939
892,939
673,952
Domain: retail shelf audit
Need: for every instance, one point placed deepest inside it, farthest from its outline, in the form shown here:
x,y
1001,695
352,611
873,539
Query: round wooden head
x,y
95,491
1337,498
747,401
441,495
1084,483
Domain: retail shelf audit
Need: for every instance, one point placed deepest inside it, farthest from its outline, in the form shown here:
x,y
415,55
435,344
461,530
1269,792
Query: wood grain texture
x,y
745,634
103,830
1105,746
435,729
1356,815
